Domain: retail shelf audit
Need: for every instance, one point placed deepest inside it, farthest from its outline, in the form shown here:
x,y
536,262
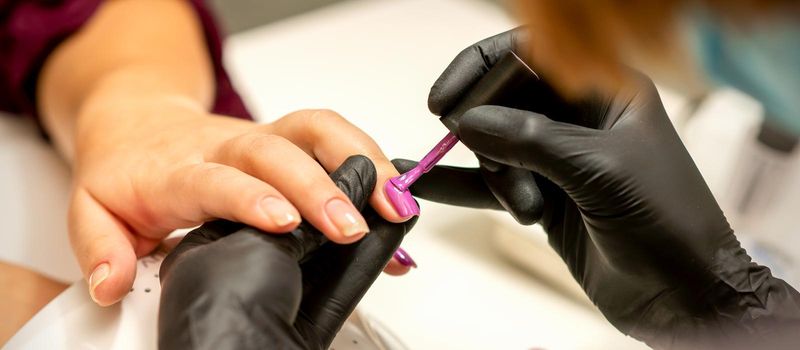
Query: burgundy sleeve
x,y
31,29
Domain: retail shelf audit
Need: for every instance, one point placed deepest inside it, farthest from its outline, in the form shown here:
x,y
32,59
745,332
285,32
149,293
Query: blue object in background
x,y
761,58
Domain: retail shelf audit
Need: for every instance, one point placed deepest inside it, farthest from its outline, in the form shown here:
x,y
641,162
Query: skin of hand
x,y
291,291
127,106
625,208
30,293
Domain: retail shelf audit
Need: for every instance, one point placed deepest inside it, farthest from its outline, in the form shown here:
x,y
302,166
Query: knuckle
x,y
189,182
211,180
261,142
472,54
324,190
210,173
321,120
325,114
246,150
533,128
309,117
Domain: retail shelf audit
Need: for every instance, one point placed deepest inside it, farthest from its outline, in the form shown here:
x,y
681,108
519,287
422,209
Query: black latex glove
x,y
624,206
229,286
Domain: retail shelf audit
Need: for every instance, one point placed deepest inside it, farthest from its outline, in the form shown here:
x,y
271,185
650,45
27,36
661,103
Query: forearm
x,y
131,52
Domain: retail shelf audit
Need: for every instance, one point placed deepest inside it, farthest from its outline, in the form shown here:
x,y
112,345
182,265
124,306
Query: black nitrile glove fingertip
x,y
517,192
469,66
356,177
403,165
463,72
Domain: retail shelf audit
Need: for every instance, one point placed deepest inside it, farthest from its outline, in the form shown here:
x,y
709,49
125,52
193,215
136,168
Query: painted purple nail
x,y
403,258
397,187
402,201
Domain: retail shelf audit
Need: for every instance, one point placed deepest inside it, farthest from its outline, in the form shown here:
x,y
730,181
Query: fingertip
x,y
103,248
348,225
275,230
395,268
285,229
339,238
281,215
96,279
109,283
380,202
437,99
405,259
403,165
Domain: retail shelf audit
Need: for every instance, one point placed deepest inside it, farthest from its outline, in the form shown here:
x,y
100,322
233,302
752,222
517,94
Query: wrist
x,y
105,124
125,98
745,308
145,90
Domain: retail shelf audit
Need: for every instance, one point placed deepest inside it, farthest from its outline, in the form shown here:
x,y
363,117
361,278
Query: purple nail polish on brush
x,y
402,256
397,187
508,76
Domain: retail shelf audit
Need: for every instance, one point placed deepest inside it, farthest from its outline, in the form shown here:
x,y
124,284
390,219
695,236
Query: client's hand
x,y
229,286
147,167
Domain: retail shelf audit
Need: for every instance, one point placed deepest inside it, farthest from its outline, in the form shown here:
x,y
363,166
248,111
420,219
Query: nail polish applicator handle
x,y
505,79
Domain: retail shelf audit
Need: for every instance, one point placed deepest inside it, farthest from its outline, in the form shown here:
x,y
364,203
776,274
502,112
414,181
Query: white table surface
x,y
34,192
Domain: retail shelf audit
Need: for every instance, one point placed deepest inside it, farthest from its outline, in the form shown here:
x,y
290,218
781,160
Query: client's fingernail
x,y
346,218
281,213
403,258
402,201
97,277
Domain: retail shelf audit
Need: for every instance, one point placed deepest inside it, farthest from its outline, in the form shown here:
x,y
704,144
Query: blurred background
x,y
239,15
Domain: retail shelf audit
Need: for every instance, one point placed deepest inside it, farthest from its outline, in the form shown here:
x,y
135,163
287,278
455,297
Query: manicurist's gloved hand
x,y
230,286
624,206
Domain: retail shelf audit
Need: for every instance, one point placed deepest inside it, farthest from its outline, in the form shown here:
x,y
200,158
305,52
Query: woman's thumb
x,y
103,247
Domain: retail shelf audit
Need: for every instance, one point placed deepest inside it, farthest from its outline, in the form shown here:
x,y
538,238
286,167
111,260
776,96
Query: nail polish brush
x,y
506,78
